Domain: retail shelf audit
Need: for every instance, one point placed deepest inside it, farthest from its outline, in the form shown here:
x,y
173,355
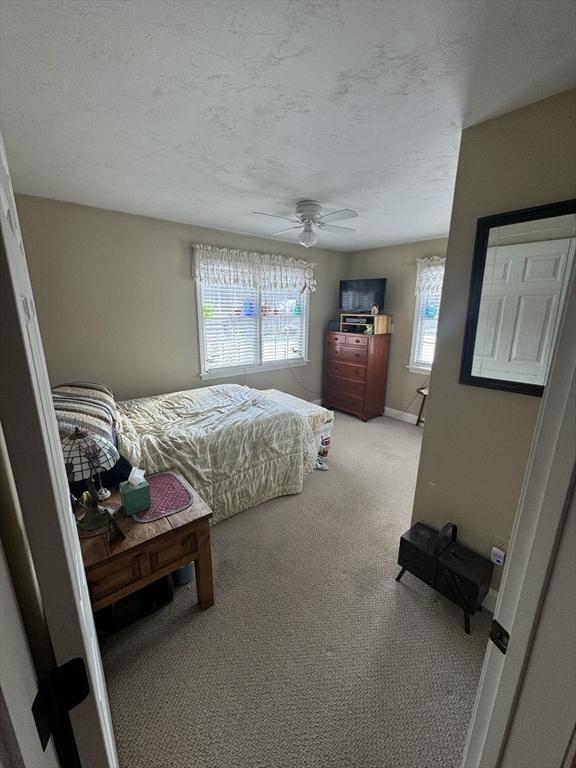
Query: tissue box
x,y
135,498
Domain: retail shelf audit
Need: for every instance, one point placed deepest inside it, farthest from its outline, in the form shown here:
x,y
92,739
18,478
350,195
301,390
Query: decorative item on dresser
x,y
355,372
366,322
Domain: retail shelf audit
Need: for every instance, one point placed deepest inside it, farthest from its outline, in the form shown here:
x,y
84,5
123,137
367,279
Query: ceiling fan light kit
x,y
310,217
308,237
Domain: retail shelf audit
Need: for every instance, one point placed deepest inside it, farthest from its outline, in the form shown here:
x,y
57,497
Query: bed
x,y
235,445
320,420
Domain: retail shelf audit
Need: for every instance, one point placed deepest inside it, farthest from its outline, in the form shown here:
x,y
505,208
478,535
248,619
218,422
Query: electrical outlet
x,y
501,543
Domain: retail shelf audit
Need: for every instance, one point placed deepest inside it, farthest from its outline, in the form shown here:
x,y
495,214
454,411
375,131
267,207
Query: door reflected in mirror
x,y
522,267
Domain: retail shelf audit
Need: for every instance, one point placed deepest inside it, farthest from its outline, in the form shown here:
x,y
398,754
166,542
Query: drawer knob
x,y
357,341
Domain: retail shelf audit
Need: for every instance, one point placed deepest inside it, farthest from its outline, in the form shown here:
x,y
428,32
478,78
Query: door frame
x,y
546,492
35,454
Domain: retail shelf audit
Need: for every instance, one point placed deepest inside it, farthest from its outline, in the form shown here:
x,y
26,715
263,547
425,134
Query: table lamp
x,y
85,456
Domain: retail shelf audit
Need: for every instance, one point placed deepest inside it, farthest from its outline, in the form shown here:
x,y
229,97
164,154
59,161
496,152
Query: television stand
x,y
359,322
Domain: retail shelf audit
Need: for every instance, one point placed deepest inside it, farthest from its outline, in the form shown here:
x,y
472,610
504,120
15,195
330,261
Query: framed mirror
x,y
520,274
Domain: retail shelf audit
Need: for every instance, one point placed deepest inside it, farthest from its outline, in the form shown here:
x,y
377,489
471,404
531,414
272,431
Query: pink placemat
x,y
169,493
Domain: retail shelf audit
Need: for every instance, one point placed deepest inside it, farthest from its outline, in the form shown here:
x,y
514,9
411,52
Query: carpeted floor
x,y
313,656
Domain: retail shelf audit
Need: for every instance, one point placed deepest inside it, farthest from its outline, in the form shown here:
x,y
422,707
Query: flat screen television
x,y
361,295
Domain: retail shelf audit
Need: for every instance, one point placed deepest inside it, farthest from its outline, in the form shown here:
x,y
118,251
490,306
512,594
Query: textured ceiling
x,y
204,111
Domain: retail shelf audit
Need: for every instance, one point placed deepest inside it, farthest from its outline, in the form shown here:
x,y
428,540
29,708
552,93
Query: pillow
x,y
88,406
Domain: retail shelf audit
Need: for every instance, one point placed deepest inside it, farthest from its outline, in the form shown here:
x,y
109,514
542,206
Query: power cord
x,y
426,383
312,392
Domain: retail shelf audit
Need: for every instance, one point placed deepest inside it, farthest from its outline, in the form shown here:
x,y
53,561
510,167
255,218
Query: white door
x,y
522,293
19,741
33,443
529,581
541,735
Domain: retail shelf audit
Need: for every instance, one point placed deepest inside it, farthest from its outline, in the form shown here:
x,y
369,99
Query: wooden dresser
x,y
355,369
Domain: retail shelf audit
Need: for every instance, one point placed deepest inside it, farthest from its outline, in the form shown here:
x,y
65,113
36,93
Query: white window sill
x,y
224,373
419,369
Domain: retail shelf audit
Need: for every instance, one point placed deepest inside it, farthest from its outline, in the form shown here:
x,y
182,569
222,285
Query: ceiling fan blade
x,y
345,213
333,228
285,230
273,215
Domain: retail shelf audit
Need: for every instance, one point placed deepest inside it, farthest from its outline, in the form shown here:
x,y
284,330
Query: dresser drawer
x,y
336,338
344,387
114,575
346,370
356,340
344,402
171,549
347,354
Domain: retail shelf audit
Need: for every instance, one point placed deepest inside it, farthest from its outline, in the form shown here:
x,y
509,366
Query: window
x,y
247,327
428,294
244,322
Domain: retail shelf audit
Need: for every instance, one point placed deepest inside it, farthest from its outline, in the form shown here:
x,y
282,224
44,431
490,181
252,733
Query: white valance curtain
x,y
430,274
248,269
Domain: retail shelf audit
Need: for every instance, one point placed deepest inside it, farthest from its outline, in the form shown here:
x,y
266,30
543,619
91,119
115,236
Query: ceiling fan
x,y
309,217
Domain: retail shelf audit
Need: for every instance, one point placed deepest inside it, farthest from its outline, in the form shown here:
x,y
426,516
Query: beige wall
x,y
116,298
117,302
398,264
476,441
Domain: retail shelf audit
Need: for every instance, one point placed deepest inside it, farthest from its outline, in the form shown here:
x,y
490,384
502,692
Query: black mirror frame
x,y
485,224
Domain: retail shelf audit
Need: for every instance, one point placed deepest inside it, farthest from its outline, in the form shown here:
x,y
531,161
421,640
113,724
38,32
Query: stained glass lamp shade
x,y
86,455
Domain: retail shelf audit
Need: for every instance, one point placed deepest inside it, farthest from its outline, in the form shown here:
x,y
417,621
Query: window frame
x,y
236,370
414,366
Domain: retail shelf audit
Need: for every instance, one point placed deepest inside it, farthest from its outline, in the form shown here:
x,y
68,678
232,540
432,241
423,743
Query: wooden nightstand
x,y
149,552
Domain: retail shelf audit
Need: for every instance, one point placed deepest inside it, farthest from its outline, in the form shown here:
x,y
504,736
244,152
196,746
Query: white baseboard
x,y
489,601
410,418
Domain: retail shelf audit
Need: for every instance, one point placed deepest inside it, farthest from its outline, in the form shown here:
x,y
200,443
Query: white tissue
x,y
136,476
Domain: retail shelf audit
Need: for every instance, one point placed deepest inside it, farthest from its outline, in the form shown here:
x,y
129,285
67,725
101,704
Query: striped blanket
x,y
90,407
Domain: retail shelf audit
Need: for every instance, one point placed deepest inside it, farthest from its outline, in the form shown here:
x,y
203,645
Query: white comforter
x,y
234,445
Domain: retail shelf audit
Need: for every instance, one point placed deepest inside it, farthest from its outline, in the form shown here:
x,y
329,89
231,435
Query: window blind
x,y
428,307
428,295
247,327
283,325
230,326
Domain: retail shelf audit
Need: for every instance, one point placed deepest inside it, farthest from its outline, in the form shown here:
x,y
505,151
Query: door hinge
x,y
499,636
62,689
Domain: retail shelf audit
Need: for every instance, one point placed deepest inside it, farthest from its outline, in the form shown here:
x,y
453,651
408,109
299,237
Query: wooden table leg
x,y
402,572
419,419
203,569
